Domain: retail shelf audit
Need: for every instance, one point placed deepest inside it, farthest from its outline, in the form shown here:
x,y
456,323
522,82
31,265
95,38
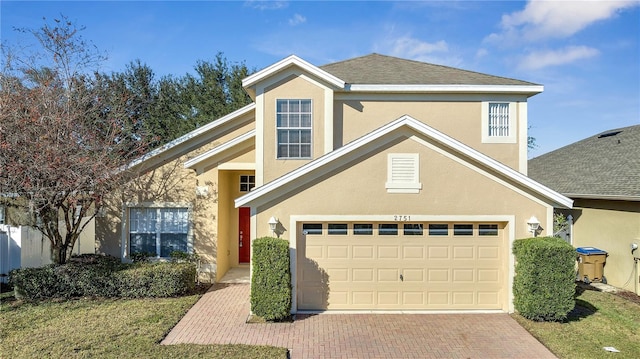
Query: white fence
x,y
23,247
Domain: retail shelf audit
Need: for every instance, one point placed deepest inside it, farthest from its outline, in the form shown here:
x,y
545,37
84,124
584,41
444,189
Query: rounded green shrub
x,y
544,283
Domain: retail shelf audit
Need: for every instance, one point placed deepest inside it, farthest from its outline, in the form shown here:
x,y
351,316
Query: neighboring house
x,y
602,175
399,185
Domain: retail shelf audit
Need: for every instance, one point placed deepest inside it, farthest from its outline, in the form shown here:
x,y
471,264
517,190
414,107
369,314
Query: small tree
x,y
64,135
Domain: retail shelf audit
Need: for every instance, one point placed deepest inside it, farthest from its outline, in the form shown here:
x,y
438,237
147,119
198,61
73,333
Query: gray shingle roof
x,y
376,69
607,164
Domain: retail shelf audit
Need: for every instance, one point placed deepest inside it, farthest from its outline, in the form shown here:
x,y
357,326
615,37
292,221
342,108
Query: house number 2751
x,y
401,218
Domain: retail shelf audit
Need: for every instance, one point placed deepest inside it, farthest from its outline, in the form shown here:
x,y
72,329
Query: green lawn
x,y
599,320
115,328
107,328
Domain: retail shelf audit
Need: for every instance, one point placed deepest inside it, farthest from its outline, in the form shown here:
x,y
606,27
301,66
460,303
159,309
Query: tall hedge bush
x,y
544,283
271,279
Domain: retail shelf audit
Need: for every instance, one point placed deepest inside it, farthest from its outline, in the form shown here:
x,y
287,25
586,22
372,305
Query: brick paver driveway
x,y
219,318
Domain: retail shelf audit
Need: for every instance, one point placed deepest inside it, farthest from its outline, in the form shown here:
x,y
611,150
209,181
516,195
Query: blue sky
x,y
585,53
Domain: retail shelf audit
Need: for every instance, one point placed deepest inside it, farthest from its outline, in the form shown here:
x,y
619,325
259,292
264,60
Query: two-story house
x,y
400,185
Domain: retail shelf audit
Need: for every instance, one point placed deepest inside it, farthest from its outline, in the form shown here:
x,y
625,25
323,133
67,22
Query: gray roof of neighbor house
x,y
603,166
376,69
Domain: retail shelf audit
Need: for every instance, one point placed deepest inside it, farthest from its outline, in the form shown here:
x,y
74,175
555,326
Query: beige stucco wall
x,y
460,119
611,226
174,185
290,88
449,188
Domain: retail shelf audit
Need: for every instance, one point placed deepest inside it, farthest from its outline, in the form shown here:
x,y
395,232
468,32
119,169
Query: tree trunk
x,y
60,254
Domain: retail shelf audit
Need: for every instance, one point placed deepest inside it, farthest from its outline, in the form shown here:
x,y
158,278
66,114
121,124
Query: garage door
x,y
401,266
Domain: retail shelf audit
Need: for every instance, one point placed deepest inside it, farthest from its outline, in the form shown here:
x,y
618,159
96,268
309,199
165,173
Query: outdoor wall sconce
x,y
534,225
273,223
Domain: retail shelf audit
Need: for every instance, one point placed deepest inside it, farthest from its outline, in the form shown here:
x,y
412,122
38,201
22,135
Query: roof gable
x,y
291,61
606,166
189,141
289,180
212,153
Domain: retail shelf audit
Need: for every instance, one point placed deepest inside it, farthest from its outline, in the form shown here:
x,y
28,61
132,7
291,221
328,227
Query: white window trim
x,y
124,241
513,129
283,128
414,186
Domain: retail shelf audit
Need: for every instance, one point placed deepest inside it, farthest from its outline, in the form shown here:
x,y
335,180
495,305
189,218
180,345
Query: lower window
x,y
158,231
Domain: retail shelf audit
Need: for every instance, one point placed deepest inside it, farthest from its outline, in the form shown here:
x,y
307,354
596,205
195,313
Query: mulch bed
x,y
628,295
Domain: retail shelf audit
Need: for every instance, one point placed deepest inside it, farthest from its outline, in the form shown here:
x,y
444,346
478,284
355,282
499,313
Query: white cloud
x,y
555,19
297,19
540,59
266,4
482,52
411,48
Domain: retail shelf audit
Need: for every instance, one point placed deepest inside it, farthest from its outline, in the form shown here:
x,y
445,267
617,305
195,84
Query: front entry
x,y
244,234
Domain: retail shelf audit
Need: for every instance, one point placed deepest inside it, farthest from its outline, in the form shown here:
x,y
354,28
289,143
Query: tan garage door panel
x,y
397,272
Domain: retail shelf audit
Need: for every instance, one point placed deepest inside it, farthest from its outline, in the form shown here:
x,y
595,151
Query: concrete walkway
x,y
219,318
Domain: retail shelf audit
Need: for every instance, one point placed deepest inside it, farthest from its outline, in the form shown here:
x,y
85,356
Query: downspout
x,y
636,279
570,220
636,265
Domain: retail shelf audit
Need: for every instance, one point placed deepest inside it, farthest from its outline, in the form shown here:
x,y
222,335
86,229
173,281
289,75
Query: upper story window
x,y
499,125
293,125
498,122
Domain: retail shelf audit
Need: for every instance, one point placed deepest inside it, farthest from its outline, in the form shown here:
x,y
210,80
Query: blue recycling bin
x,y
591,263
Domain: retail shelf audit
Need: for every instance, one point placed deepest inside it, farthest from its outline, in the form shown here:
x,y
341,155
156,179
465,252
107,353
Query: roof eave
x,y
529,90
192,163
604,197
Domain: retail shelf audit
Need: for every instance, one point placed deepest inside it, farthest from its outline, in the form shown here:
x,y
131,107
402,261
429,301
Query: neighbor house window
x,y
498,122
403,173
158,231
247,183
293,125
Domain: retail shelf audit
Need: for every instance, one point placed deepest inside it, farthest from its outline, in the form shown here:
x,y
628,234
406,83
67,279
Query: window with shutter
x,y
499,122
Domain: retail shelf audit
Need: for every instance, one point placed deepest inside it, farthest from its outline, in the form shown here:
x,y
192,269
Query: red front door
x,y
244,234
